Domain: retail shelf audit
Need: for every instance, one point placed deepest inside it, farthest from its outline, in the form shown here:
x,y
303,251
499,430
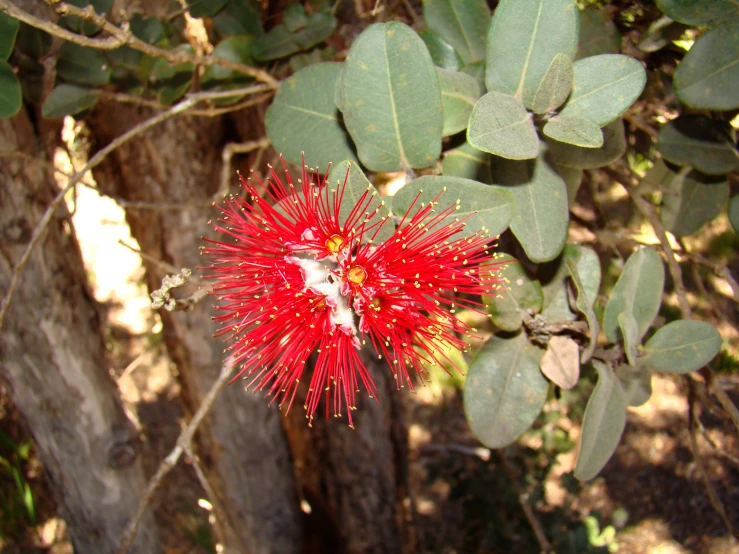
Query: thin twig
x,y
167,267
523,500
228,152
76,178
120,37
183,443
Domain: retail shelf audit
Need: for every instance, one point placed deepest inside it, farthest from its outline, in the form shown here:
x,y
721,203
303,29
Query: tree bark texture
x,y
241,444
52,354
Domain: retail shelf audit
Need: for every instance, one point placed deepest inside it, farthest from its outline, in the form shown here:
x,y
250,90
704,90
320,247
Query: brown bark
x,y
52,354
241,443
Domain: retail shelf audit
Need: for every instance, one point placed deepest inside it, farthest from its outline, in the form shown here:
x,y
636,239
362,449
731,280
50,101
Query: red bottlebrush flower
x,y
301,275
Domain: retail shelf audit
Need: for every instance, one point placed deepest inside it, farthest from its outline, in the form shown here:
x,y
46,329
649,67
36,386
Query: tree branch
x,y
76,178
183,444
124,37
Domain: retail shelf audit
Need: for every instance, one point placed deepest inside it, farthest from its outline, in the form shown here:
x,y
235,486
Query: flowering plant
x,y
305,272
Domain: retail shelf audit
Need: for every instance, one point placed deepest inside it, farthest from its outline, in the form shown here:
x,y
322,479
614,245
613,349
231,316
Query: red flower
x,y
297,273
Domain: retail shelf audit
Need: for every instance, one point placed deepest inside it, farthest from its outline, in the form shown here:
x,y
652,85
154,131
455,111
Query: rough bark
x,y
52,354
242,444
355,480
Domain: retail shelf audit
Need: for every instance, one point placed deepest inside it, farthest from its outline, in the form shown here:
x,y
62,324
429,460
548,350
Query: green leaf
x,y
500,125
280,42
459,92
81,65
521,294
574,130
356,185
485,207
11,97
79,25
707,76
638,292
572,177
561,362
733,212
604,87
33,42
630,333
555,86
442,53
392,99
31,75
700,13
701,142
294,17
148,29
239,17
636,382
598,34
614,146
553,277
661,33
541,216
303,117
236,48
476,70
8,31
602,425
468,162
505,390
205,8
682,346
68,100
584,301
461,23
688,203
524,38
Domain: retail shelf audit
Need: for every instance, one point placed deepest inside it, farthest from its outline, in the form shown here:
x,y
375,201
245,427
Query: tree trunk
x,y
241,443
54,360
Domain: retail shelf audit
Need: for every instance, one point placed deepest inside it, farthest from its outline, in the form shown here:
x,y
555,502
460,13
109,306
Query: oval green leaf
x,y
682,346
602,425
459,93
442,53
701,142
461,23
572,177
524,38
33,42
500,125
485,207
699,12
555,87
553,277
236,48
304,107
11,97
205,8
574,130
629,332
356,186
598,34
476,70
636,382
604,87
68,100
584,302
638,291
468,162
541,216
690,204
708,75
518,296
392,99
81,65
505,390
8,31
568,155
239,17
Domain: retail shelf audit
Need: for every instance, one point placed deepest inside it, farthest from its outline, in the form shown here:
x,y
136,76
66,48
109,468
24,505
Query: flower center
x,y
357,274
376,303
334,243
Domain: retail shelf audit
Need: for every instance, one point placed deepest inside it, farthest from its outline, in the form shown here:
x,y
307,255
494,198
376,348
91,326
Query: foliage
x,y
17,503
